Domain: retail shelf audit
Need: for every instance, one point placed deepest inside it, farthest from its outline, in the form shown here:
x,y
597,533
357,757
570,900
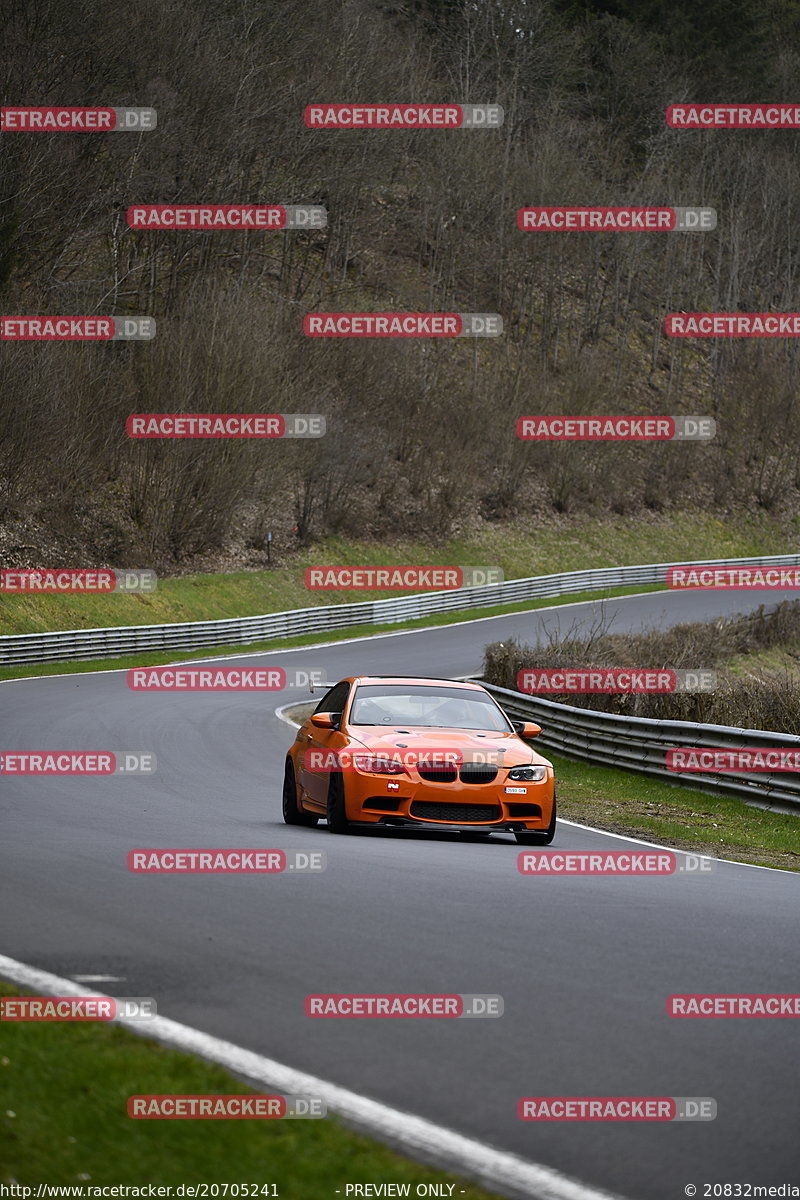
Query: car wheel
x,y
292,813
535,837
337,815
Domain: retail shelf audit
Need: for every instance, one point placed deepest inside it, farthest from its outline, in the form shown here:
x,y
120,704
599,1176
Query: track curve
x,y
585,965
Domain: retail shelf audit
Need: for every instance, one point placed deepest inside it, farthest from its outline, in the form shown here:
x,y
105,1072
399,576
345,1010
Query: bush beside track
x,y
758,698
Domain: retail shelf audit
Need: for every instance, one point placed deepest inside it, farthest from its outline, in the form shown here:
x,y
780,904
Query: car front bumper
x,y
372,800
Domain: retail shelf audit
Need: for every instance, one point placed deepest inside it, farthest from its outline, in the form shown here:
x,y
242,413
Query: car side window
x,y
335,700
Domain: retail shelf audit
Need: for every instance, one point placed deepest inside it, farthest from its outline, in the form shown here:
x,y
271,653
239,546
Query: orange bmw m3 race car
x,y
428,752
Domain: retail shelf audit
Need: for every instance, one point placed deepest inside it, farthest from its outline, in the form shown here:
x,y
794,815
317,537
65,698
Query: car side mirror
x,y
528,729
323,720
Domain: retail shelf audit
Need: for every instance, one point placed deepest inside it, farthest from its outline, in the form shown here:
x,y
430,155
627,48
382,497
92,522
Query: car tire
x,y
337,814
535,837
292,812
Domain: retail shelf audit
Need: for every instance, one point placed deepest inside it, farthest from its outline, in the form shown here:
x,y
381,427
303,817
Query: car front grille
x,y
477,773
441,776
472,773
429,810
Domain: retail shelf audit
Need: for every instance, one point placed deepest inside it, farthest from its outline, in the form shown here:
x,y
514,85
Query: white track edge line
x,y
416,1136
734,862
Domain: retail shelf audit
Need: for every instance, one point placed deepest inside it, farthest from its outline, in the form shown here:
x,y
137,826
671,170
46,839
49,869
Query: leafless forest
x,y
421,432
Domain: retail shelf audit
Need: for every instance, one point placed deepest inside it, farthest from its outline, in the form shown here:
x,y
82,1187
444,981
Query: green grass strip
x,y
635,805
63,1120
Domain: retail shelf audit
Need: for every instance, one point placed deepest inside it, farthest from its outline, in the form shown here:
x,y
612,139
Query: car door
x,y
314,779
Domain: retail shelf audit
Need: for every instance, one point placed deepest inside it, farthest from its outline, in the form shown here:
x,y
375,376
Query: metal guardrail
x,y
85,644
641,743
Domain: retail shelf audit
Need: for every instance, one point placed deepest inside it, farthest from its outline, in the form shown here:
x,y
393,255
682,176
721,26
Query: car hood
x,y
473,745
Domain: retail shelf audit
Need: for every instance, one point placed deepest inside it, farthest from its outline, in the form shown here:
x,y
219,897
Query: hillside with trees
x,y
421,433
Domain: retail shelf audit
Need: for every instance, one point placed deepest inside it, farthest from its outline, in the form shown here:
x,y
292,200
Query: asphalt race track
x,y
585,965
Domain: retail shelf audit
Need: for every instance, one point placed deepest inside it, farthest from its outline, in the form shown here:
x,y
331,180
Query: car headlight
x,y
527,774
377,764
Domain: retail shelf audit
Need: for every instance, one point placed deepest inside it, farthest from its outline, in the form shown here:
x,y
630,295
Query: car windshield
x,y
432,707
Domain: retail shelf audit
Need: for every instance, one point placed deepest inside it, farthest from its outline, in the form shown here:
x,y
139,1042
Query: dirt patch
x,y
300,712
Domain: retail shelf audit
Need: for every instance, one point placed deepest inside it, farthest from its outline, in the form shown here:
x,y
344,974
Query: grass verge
x,y
63,1120
569,544
634,805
